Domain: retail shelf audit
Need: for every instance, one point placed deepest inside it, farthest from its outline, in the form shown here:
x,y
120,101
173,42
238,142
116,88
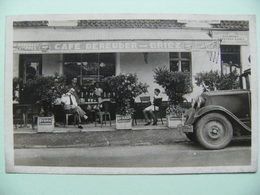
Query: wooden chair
x,y
145,99
68,113
33,114
103,115
158,113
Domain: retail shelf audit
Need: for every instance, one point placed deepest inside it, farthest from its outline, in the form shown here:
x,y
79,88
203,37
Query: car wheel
x,y
191,136
214,131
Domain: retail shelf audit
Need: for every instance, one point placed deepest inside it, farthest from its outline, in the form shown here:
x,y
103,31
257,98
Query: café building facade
x,y
94,49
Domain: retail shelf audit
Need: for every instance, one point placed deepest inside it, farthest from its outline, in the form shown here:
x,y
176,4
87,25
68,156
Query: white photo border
x,y
8,115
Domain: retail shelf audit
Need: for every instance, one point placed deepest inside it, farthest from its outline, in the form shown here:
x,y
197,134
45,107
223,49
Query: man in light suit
x,y
70,103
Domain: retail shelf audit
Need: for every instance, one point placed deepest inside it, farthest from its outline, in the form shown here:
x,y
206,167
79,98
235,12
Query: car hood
x,y
225,92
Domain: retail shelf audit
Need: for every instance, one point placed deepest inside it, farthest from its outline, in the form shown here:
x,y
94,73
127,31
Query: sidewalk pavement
x,y
97,137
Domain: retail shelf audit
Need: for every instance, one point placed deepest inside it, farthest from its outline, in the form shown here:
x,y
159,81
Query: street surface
x,y
173,155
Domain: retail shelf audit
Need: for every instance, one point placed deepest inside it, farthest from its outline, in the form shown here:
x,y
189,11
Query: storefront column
x,y
61,64
118,70
16,65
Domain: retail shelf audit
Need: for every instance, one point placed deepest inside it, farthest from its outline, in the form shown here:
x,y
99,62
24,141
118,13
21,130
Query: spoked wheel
x,y
214,131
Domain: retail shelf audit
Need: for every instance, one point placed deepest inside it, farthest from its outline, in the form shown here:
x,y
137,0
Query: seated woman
x,y
70,103
150,109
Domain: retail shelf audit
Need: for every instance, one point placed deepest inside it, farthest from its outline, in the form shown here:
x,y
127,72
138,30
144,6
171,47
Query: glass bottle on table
x,y
86,96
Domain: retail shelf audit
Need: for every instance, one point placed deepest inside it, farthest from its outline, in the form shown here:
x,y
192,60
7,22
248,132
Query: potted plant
x,y
125,88
175,116
175,84
43,91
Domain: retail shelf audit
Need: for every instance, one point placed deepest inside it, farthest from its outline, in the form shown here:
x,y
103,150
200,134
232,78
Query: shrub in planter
x,y
125,88
43,91
175,84
214,80
175,115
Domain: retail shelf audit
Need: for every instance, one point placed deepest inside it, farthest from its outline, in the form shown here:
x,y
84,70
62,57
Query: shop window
x,y
89,68
30,66
230,58
180,61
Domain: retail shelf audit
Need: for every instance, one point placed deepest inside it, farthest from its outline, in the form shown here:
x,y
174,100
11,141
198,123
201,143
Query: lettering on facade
x,y
115,46
232,37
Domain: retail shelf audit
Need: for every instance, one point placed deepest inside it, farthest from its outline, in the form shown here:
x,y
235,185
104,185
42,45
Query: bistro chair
x,y
145,102
158,113
33,113
145,99
134,115
103,115
69,113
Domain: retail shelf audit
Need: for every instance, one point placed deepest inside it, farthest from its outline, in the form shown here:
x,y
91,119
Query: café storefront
x,y
92,53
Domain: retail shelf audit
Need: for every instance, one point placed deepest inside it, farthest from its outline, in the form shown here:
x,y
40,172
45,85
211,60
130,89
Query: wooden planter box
x,y
45,124
174,122
123,122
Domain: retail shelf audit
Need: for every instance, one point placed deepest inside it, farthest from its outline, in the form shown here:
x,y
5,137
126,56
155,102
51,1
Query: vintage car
x,y
217,116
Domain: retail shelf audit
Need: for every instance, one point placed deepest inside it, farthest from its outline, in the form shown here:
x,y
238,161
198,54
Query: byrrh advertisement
x,y
131,94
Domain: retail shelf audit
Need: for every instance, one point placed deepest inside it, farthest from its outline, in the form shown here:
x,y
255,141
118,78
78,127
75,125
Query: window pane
x,y
174,66
230,59
90,66
185,66
29,66
235,49
174,55
185,55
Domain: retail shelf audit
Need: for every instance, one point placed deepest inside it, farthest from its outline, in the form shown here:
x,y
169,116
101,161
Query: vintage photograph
x,y
130,94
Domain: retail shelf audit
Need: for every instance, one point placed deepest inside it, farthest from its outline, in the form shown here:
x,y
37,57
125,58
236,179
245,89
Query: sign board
x,y
232,37
45,124
115,46
123,122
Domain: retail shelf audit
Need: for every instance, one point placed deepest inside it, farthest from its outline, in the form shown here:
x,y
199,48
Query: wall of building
x,y
51,64
245,53
202,61
73,34
15,65
135,63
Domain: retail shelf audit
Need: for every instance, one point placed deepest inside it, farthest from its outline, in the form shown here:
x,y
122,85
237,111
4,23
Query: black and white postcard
x,y
131,94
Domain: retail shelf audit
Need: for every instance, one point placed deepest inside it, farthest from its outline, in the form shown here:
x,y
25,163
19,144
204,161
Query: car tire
x,y
214,131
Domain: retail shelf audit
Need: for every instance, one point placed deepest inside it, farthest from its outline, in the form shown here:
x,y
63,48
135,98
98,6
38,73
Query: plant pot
x,y
45,124
123,122
174,122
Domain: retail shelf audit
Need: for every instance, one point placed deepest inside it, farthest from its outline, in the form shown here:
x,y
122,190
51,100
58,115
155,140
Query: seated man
x,y
70,103
150,109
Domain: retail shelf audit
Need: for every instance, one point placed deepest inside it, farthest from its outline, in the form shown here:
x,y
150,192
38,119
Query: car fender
x,y
214,108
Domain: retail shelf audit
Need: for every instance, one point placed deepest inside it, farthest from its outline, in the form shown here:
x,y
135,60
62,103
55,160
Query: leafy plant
x,y
214,80
175,84
125,88
43,90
